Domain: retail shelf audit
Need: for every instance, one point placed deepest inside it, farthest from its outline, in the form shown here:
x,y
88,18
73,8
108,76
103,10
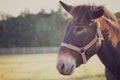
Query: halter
x,y
98,37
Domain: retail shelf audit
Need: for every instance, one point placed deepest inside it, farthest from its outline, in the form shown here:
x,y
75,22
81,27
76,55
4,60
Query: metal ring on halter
x,y
82,50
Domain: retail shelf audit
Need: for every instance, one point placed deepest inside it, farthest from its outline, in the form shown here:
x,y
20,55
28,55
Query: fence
x,y
32,50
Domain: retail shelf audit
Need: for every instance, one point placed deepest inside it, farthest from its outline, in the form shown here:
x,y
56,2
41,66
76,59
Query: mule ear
x,y
65,6
98,13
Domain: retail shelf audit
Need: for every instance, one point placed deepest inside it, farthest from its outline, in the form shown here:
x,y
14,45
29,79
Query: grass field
x,y
43,67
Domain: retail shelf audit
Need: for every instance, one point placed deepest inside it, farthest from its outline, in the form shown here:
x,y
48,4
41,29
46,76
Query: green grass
x,y
43,67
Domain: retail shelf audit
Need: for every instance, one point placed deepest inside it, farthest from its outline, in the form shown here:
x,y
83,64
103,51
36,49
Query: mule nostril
x,y
72,67
62,67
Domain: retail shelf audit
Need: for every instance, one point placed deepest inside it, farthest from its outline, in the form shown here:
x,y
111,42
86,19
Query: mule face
x,y
79,32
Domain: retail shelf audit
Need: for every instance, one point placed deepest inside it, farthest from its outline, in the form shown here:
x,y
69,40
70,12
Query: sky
x,y
15,7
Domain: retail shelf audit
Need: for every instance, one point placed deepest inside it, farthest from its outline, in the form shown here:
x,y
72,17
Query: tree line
x,y
34,30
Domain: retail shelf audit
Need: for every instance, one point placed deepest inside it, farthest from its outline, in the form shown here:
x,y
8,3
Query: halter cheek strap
x,y
82,51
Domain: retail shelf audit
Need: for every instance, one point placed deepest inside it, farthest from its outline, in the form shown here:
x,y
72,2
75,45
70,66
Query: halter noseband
x,y
82,50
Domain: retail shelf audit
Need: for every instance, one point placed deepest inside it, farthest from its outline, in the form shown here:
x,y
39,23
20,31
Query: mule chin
x,y
65,66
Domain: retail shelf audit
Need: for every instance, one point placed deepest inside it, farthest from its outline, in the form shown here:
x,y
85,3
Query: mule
x,y
93,29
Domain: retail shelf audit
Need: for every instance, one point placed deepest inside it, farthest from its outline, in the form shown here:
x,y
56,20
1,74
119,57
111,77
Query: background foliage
x,y
33,30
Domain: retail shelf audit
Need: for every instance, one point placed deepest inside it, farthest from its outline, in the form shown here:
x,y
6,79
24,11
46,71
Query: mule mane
x,y
82,13
113,27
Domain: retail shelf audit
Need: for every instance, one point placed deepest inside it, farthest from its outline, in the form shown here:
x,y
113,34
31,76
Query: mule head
x,y
81,38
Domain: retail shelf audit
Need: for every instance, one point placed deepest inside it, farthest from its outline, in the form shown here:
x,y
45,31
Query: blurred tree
x,y
5,16
117,14
25,12
33,30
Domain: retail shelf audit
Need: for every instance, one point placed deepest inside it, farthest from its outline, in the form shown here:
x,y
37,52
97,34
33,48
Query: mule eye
x,y
79,28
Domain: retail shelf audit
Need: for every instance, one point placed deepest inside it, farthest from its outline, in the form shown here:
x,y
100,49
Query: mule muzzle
x,y
65,65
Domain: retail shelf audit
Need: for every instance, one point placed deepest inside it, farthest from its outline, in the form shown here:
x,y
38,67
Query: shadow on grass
x,y
91,77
